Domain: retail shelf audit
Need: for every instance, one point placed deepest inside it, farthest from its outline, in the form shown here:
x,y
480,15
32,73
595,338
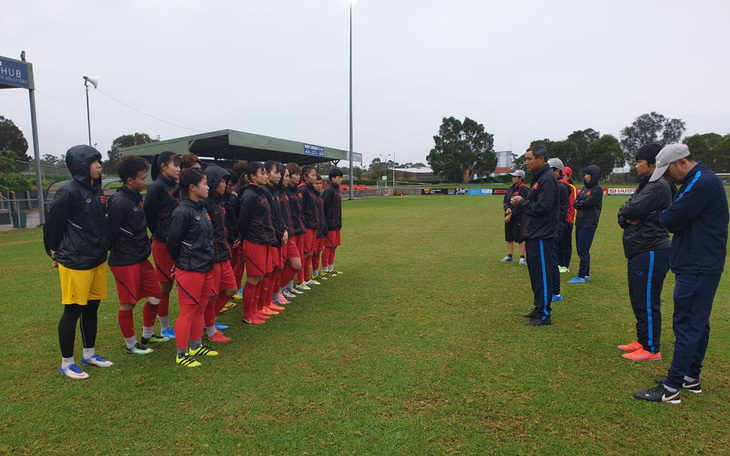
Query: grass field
x,y
417,349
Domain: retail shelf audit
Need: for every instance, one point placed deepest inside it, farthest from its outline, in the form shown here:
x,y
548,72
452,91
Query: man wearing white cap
x,y
698,217
513,217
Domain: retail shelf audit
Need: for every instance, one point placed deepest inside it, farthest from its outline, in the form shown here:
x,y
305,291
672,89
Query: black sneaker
x,y
532,314
538,322
692,387
659,394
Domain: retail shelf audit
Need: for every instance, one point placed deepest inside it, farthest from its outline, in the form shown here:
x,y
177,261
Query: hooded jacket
x,y
698,217
159,203
322,224
570,216
255,219
333,207
295,205
76,226
127,228
190,239
282,197
540,208
217,212
589,201
646,205
230,204
564,194
277,217
309,206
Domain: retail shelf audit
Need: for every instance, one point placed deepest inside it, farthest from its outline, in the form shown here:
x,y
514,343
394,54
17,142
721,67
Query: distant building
x,y
504,163
423,174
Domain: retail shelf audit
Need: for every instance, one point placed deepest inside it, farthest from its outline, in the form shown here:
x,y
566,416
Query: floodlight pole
x,y
352,191
88,113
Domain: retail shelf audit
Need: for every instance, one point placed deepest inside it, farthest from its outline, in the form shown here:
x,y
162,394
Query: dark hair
x,y
335,172
648,153
271,164
240,167
189,177
130,166
188,160
538,151
319,177
162,159
253,168
294,169
232,175
306,170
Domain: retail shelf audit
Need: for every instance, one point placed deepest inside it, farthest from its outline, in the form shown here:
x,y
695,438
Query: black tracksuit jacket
x,y
76,226
255,219
190,238
295,206
277,217
540,208
159,203
217,212
127,228
308,198
519,190
230,204
322,224
332,207
646,205
589,201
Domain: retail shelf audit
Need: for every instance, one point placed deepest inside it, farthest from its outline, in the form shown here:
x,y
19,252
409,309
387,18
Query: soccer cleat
x,y
224,310
221,326
260,315
643,355
296,290
282,301
73,371
219,338
187,361
155,339
253,321
336,271
633,346
692,387
266,311
230,304
538,322
523,262
97,361
507,259
303,287
288,294
319,277
563,269
659,394
139,350
577,280
557,298
238,296
202,351
531,314
275,306
587,278
169,333
313,282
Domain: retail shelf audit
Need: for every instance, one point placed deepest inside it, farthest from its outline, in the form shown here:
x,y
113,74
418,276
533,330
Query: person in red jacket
x,y
565,237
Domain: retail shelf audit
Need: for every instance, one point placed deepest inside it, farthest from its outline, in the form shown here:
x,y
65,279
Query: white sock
x,y
210,330
315,273
130,341
164,322
65,362
689,379
89,353
332,266
147,331
290,285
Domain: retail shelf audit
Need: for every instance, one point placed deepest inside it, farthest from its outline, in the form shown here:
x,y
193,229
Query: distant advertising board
x,y
14,73
317,151
621,191
499,191
480,191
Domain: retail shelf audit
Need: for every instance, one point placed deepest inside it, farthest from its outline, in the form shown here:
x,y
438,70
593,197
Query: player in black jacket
x,y
130,248
190,243
273,182
308,199
513,217
76,238
539,229
556,166
295,204
333,216
588,205
159,203
290,250
321,233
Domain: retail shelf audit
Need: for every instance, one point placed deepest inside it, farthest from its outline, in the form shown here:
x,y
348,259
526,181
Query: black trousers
x,y
565,241
555,257
539,265
646,273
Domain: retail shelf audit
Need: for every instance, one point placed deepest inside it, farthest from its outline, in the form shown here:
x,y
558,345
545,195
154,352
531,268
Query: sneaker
x,y
219,338
523,262
587,278
282,301
139,350
296,290
155,339
692,387
169,333
557,298
659,394
563,269
313,282
202,351
538,322
531,314
73,371
303,287
253,321
288,294
643,355
221,326
577,280
507,259
187,361
97,361
633,346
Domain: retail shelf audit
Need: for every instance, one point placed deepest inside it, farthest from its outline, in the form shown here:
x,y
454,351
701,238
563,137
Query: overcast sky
x,y
526,69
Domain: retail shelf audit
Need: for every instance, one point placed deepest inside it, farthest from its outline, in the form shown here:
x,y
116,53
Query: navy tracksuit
x,y
588,203
646,271
698,217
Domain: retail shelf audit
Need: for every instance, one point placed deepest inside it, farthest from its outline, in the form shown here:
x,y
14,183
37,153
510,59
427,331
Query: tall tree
x,y
462,149
721,154
581,139
650,128
606,153
12,139
701,146
568,153
124,141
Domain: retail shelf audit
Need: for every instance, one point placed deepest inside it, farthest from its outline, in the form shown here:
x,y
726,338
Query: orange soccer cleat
x,y
643,355
633,346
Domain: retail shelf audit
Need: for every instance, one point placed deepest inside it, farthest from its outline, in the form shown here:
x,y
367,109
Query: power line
x,y
144,113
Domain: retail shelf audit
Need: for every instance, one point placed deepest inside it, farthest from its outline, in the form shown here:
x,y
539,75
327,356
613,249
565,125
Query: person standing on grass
x,y
295,205
159,203
513,217
129,252
699,218
588,203
190,244
317,276
539,229
290,250
75,236
565,237
308,199
224,281
646,246
273,179
233,238
556,166
333,215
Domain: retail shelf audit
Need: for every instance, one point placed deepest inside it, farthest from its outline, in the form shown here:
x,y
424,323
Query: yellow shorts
x,y
78,287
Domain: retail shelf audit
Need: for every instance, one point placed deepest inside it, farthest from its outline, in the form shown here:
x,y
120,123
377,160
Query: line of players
x,y
205,236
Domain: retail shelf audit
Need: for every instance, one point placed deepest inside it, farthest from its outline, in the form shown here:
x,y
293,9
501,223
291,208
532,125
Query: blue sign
x,y
14,73
480,191
317,151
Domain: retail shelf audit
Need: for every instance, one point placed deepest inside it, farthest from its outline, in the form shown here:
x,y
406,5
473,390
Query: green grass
x,y
417,349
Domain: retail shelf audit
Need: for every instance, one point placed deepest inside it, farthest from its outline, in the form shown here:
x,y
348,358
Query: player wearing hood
x,y
308,198
289,250
333,216
588,203
321,233
75,237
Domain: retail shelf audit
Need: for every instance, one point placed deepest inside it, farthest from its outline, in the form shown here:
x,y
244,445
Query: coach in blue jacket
x,y
698,217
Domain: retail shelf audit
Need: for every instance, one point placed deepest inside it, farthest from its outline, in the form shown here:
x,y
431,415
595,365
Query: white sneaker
x,y
523,262
73,371
507,259
97,361
288,294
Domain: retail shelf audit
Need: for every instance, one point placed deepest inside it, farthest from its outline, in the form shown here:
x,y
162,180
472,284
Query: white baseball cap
x,y
556,163
668,155
518,173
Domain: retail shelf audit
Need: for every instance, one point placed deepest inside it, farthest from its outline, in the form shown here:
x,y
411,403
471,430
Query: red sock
x,y
210,314
238,273
196,328
315,261
277,281
288,274
249,300
126,323
332,256
308,269
183,323
220,302
326,258
164,305
149,313
264,296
